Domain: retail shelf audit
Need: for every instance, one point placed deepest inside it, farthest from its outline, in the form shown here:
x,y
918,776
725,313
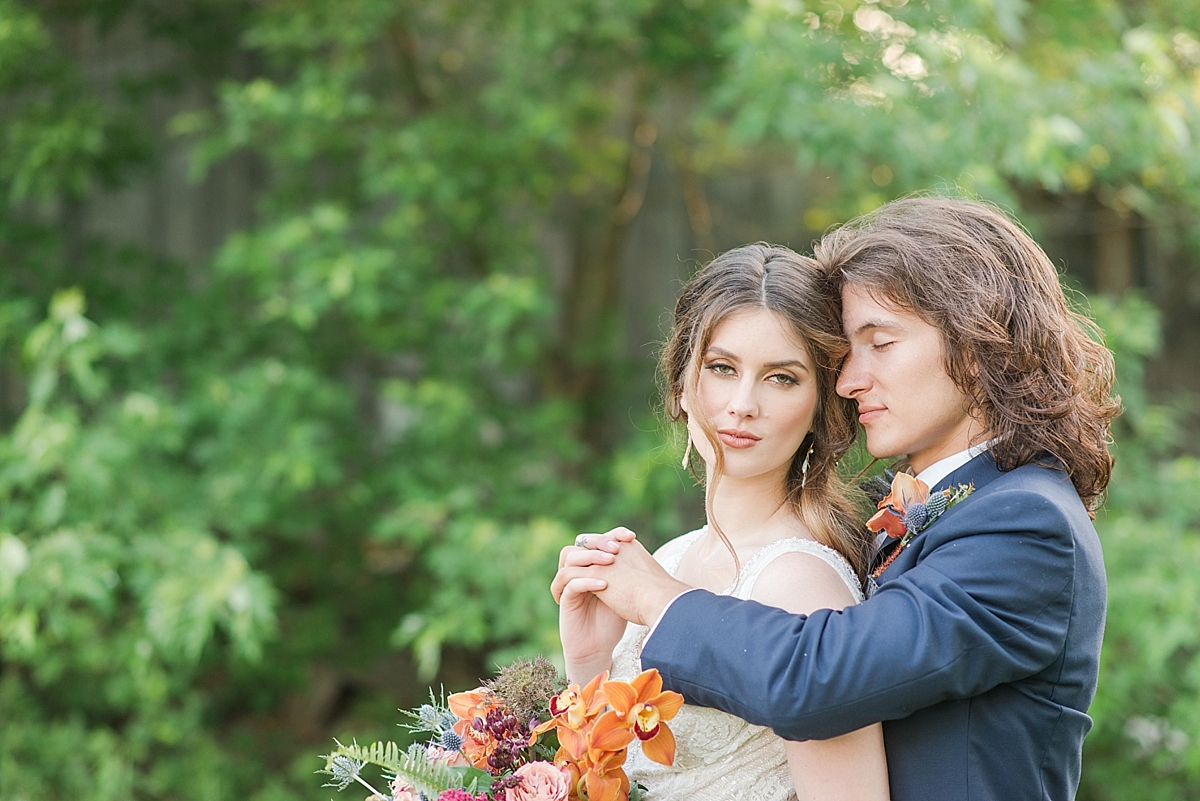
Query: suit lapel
x,y
980,472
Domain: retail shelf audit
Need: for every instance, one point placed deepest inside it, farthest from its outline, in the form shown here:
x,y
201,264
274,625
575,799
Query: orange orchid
x,y
605,778
906,491
573,711
644,708
473,704
468,706
594,740
909,509
578,785
600,779
598,773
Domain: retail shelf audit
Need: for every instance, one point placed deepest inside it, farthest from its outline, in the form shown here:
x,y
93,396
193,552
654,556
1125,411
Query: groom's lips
x,y
868,413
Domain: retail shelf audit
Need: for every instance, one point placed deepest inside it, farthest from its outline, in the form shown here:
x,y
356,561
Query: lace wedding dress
x,y
718,757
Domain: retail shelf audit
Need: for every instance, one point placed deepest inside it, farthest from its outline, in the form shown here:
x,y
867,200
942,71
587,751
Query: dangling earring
x,y
687,453
803,466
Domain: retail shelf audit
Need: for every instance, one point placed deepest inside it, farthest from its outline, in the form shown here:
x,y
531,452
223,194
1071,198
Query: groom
x,y
980,649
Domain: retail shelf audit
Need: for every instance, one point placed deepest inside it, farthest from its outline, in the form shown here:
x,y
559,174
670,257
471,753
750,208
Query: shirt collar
x,y
943,467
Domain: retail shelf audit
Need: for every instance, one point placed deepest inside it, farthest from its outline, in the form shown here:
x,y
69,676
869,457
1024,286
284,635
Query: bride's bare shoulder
x,y
802,581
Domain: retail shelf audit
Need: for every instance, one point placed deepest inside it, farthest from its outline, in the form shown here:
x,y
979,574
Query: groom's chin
x,y
882,450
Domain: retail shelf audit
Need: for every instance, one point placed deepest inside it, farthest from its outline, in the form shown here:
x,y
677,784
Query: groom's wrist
x,y
653,624
655,599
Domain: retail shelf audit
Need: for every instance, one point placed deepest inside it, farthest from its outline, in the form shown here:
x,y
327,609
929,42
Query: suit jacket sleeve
x,y
981,607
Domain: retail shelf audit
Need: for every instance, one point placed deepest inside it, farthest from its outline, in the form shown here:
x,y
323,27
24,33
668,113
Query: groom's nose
x,y
852,379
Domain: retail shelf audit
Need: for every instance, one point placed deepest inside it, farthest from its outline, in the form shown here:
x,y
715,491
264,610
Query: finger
x,y
572,556
584,558
596,542
557,585
569,572
564,576
582,586
603,542
582,543
621,534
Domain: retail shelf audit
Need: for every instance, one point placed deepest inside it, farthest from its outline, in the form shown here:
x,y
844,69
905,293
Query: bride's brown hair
x,y
777,279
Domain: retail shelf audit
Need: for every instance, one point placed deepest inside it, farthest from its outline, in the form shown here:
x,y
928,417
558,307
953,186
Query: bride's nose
x,y
744,402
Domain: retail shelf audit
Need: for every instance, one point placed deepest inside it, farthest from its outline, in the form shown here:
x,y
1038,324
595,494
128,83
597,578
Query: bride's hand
x,y
610,541
635,585
589,630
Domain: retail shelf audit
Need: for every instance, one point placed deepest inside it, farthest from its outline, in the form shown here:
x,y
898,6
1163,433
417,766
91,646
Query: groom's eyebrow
x,y
870,325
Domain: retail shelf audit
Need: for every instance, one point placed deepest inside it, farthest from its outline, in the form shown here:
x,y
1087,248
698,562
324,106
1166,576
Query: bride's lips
x,y
868,413
736,438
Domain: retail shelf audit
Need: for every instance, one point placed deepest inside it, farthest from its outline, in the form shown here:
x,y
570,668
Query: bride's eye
x,y
782,378
720,368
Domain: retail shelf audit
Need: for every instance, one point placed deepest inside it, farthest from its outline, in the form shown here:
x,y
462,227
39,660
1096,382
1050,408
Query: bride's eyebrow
x,y
724,354
713,350
786,363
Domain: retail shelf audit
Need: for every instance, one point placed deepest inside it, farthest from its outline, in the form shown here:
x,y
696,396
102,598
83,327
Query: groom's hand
x,y
631,583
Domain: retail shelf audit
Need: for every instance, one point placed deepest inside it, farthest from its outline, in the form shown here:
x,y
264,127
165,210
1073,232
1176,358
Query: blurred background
x,y
324,324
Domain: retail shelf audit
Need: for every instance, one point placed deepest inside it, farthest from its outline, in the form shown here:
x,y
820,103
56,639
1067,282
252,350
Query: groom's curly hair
x,y
1037,371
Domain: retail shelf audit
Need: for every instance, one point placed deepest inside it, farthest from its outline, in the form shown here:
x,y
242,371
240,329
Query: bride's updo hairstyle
x,y
782,281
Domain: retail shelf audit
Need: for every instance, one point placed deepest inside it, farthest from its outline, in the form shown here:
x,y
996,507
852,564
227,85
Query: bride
x,y
750,369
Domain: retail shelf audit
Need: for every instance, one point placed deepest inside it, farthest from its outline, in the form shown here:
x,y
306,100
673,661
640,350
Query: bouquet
x,y
524,736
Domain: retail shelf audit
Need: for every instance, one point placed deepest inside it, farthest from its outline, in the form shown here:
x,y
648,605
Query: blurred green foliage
x,y
368,424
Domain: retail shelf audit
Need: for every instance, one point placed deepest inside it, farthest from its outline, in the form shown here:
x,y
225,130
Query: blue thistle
x,y
450,740
935,504
916,517
429,715
344,770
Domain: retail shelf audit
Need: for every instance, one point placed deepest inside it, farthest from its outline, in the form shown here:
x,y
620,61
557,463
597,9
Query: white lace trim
x,y
756,564
719,757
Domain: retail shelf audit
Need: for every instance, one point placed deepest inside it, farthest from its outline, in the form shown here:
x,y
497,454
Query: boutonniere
x,y
909,509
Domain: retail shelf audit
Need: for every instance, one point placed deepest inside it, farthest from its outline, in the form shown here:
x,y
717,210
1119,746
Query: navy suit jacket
x,y
979,651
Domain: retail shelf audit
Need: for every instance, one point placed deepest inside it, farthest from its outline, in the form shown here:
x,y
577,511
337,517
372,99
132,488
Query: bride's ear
x,y
683,402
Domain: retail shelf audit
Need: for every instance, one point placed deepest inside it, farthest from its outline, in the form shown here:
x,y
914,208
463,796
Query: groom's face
x,y
907,404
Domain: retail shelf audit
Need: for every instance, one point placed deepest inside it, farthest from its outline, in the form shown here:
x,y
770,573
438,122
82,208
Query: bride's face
x,y
758,391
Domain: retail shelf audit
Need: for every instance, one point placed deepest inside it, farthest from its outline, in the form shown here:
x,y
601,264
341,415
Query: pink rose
x,y
437,754
402,791
540,781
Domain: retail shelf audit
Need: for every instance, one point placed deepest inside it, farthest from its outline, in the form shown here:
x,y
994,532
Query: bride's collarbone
x,y
709,564
715,578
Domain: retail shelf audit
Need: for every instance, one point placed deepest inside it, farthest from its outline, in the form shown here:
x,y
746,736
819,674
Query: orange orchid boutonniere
x,y
909,509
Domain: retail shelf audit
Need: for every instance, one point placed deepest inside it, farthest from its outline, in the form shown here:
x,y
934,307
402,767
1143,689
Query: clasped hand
x,y
601,583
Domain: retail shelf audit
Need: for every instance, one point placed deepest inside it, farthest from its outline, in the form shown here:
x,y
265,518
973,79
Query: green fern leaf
x,y
409,766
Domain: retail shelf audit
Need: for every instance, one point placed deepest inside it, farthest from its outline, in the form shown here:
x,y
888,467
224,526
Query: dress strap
x,y
756,564
671,554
